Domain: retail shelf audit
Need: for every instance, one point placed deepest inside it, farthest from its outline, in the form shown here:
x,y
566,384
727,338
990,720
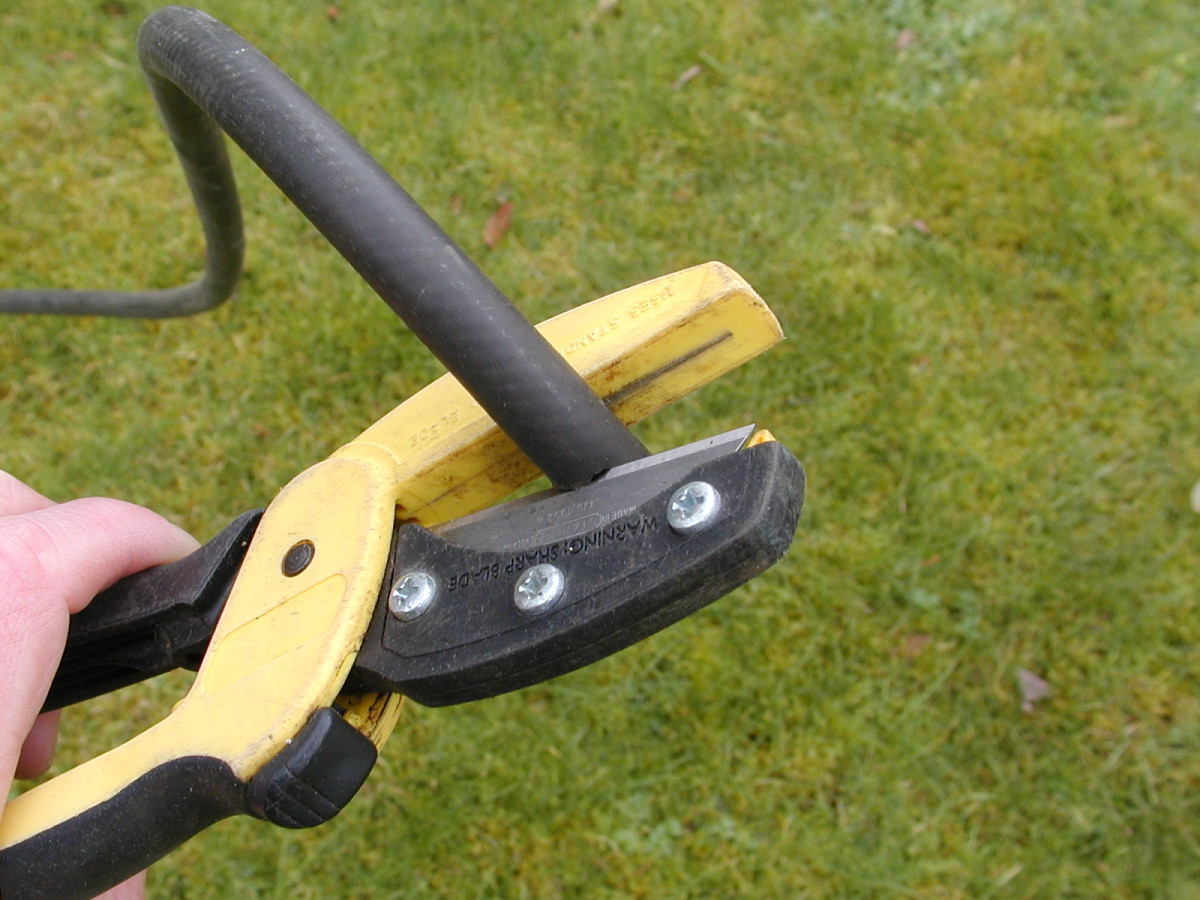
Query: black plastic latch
x,y
313,778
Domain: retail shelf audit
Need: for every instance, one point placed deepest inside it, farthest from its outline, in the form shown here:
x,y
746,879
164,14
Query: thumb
x,y
63,555
53,560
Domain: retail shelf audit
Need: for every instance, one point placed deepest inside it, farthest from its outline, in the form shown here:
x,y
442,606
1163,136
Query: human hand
x,y
53,559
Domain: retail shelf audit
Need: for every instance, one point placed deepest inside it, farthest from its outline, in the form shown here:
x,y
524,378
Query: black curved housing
x,y
628,575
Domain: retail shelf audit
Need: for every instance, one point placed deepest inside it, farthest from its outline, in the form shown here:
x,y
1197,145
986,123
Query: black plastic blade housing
x,y
627,573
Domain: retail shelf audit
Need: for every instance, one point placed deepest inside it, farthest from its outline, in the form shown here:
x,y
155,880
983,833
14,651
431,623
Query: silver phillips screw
x,y
693,507
539,589
412,595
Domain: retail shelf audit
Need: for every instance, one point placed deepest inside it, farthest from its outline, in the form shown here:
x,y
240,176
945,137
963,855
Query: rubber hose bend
x,y
198,70
201,149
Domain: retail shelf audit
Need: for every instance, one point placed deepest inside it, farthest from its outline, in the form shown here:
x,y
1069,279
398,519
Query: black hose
x,y
201,149
197,69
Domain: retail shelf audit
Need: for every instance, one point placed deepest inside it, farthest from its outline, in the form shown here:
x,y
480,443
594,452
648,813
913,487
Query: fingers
x,y
53,560
38,750
70,552
133,889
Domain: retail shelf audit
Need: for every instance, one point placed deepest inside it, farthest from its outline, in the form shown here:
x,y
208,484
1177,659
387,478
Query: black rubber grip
x,y
89,853
312,777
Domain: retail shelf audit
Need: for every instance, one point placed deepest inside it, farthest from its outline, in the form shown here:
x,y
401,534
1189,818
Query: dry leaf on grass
x,y
688,74
1032,688
914,644
1196,497
497,224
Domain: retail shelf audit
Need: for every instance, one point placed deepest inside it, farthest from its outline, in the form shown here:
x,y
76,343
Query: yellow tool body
x,y
285,642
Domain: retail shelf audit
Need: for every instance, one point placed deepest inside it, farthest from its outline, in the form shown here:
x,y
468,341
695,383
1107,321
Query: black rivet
x,y
297,559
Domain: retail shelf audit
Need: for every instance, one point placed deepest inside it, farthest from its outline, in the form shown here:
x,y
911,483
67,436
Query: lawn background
x,y
979,224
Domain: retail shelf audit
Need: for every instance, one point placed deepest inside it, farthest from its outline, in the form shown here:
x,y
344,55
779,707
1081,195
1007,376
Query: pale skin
x,y
54,557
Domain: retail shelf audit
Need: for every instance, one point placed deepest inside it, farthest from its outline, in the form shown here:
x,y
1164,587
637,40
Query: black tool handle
x,y
86,853
151,622
91,849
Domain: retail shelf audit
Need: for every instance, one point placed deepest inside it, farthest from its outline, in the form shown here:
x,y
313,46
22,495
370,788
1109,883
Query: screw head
x,y
539,589
693,507
412,594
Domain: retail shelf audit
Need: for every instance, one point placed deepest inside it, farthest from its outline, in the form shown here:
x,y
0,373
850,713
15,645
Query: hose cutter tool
x,y
395,567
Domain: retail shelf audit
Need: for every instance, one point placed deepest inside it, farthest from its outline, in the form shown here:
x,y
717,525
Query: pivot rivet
x,y
296,560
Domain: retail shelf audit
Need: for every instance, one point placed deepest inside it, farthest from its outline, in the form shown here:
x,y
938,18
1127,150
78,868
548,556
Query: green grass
x,y
979,224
